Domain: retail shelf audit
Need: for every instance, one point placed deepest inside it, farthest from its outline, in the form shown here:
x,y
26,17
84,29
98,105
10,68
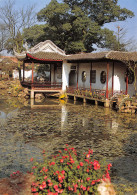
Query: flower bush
x,y
69,173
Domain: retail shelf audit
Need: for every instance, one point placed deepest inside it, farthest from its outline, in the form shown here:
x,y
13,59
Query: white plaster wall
x,y
27,74
65,74
119,76
84,67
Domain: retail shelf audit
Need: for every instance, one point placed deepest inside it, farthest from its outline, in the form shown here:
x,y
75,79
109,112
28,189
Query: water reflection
x,y
51,124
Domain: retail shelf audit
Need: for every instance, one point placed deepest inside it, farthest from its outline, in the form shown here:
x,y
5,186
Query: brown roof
x,y
113,55
46,56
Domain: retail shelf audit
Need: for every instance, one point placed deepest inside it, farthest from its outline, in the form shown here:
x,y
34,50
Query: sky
x,y
130,25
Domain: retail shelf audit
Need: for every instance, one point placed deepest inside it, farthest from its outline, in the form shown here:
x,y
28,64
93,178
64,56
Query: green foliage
x,y
34,34
75,25
68,173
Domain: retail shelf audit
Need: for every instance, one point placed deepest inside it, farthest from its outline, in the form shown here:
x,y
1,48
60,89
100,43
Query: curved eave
x,y
20,56
42,59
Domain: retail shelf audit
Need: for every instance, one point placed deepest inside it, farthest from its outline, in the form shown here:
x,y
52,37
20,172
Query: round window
x,y
103,77
84,76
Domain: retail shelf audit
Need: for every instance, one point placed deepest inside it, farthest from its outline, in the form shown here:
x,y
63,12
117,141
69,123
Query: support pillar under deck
x,y
32,94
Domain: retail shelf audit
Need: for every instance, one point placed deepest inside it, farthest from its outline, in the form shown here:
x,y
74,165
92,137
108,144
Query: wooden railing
x,y
94,93
55,85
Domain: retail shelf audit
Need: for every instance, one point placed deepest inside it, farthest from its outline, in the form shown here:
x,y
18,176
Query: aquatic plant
x,y
69,173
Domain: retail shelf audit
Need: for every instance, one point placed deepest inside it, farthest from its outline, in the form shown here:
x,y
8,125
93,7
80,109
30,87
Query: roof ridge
x,y
106,56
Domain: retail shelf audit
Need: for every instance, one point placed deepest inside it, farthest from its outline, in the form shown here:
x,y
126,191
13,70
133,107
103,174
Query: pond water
x,y
25,130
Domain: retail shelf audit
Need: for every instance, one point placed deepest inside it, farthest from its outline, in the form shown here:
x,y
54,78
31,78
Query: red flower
x,y
57,172
88,155
87,170
88,178
78,167
81,164
63,172
61,160
96,165
33,189
90,151
31,159
93,182
55,186
84,188
71,160
52,163
109,165
50,184
41,187
44,184
45,177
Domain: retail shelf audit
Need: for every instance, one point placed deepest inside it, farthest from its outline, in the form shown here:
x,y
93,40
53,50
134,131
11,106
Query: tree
x,y
14,21
76,25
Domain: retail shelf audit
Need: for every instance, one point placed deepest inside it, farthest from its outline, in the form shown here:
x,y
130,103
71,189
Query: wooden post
x,y
107,80
90,76
77,74
32,79
113,79
23,70
127,82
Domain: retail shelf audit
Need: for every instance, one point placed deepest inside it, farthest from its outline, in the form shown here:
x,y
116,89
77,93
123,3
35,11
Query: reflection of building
x,y
106,72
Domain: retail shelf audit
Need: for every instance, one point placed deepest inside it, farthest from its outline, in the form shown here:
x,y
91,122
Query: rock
x,y
106,188
18,185
39,96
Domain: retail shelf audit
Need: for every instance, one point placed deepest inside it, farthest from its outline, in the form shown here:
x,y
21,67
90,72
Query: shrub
x,y
69,173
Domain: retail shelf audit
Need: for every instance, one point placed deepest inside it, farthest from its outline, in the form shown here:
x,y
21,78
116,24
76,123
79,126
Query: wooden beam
x,y
107,94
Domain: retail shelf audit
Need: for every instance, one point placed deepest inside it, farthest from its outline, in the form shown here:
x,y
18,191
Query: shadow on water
x,y
50,125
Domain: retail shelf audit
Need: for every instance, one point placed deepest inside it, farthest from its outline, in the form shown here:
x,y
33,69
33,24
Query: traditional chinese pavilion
x,y
104,73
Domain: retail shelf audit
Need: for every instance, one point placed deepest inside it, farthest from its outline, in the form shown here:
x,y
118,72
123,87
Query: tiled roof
x,y
86,56
122,56
51,56
113,55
